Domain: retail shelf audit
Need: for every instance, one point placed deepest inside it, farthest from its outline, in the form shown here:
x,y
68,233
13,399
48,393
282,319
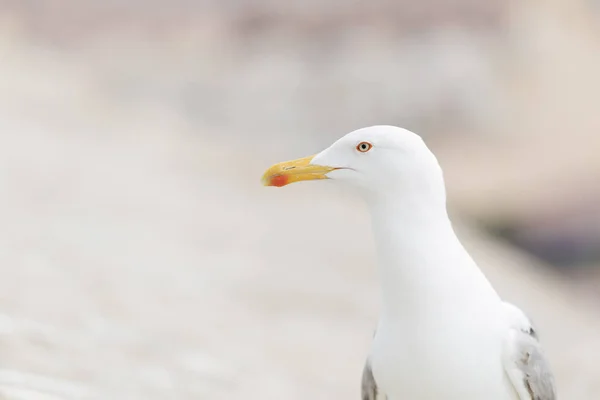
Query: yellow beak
x,y
298,170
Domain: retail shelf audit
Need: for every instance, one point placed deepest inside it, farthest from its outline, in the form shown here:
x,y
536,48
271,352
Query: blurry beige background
x,y
141,259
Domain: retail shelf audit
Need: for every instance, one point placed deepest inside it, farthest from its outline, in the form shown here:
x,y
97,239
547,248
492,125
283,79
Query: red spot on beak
x,y
279,180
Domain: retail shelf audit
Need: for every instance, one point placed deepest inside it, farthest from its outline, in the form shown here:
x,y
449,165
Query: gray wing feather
x,y
525,362
369,386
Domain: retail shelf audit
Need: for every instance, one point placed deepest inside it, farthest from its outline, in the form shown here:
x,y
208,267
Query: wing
x,y
524,360
370,391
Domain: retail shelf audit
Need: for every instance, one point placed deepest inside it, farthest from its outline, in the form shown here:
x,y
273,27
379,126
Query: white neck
x,y
422,264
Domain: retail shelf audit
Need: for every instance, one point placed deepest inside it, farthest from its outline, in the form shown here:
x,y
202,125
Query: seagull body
x,y
443,332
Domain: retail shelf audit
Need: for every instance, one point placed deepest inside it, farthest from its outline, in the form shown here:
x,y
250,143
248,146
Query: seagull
x,y
443,331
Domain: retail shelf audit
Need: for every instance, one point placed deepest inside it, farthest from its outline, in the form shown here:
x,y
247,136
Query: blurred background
x,y
140,257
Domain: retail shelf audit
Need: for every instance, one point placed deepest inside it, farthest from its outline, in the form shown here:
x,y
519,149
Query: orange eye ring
x,y
363,147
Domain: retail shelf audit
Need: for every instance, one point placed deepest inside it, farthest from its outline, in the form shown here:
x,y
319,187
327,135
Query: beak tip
x,y
287,172
275,180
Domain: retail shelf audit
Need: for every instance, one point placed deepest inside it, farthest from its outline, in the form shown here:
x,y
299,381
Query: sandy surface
x,y
162,269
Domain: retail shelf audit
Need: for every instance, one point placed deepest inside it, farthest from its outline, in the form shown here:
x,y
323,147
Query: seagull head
x,y
377,160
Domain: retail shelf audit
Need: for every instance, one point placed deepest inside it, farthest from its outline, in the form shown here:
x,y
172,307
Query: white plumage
x,y
444,333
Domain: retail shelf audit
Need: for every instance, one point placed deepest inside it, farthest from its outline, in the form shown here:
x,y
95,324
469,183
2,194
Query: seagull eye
x,y
363,147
